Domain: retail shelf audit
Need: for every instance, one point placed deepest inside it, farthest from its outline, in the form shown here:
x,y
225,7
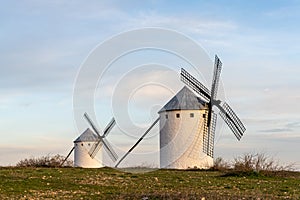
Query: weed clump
x,y
251,165
221,165
45,161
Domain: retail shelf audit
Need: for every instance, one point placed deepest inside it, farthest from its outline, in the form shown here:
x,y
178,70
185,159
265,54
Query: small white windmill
x,y
87,147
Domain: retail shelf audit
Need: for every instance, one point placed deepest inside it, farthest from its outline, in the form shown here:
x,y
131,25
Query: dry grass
x,y
45,161
254,164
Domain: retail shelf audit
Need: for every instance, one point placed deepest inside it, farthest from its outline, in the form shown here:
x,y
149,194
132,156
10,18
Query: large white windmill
x,y
87,147
187,124
182,124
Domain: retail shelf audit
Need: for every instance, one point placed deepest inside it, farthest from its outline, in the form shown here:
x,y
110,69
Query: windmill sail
x,y
234,117
101,140
216,78
91,124
208,136
211,135
95,148
112,154
205,136
198,87
226,112
231,125
214,87
108,128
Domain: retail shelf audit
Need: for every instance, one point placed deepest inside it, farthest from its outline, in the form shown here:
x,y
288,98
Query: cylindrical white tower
x,y
182,122
83,144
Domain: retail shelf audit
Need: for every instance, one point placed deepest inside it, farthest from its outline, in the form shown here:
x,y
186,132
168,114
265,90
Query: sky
x,y
44,44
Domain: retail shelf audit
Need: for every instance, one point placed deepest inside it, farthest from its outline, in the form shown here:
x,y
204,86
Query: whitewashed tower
x,y
182,123
82,156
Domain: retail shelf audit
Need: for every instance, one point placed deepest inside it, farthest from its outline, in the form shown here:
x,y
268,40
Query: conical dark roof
x,y
87,136
185,99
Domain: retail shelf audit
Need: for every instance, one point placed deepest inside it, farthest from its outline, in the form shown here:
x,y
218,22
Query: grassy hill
x,y
107,183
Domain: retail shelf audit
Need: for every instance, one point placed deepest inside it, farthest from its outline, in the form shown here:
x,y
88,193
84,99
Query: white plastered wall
x,y
82,157
181,140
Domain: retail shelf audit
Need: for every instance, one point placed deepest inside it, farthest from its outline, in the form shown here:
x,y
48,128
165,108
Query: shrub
x,y
255,162
244,163
220,164
252,165
260,164
45,161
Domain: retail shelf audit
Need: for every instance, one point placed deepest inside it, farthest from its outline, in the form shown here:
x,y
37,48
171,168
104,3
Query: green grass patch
x,y
107,183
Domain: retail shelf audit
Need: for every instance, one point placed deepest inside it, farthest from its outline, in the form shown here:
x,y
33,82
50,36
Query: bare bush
x,y
258,162
45,161
220,164
244,163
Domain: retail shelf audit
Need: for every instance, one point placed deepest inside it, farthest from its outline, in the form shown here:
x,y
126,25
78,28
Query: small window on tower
x,y
204,115
166,116
177,115
81,144
191,115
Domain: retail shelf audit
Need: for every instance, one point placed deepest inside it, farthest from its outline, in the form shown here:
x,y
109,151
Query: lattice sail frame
x,y
198,87
209,136
226,112
216,78
101,141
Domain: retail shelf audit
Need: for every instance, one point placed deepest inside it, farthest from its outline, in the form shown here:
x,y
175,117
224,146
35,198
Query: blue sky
x,y
43,44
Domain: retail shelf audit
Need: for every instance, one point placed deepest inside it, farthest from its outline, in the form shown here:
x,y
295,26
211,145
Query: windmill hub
x,y
216,102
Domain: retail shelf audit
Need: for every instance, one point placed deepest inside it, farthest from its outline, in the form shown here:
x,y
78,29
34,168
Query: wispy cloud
x,y
276,130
